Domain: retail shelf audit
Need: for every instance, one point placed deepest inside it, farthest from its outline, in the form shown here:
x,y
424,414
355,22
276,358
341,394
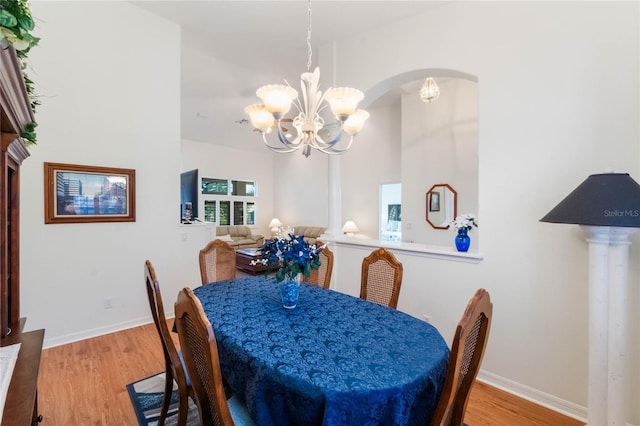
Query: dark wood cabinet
x,y
15,115
21,405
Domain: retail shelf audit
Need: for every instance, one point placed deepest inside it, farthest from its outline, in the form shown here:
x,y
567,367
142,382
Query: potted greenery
x,y
16,25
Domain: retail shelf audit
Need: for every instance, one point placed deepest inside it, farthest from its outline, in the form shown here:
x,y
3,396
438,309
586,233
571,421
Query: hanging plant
x,y
16,25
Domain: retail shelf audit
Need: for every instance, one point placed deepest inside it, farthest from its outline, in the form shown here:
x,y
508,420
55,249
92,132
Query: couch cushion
x,y
309,231
233,230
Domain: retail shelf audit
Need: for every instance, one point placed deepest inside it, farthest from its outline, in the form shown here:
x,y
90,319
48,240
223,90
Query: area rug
x,y
147,396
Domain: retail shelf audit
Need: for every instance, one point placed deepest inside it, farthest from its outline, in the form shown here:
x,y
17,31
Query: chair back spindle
x,y
322,276
381,278
467,351
217,262
173,365
201,359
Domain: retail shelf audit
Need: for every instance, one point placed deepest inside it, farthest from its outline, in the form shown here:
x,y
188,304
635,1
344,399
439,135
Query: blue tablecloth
x,y
333,360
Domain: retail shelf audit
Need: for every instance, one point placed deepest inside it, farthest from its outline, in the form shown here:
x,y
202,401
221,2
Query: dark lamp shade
x,y
608,199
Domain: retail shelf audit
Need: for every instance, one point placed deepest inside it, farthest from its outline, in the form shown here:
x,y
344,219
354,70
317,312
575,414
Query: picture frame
x,y
434,201
82,194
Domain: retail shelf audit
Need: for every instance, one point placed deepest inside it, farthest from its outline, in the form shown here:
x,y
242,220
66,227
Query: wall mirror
x,y
441,205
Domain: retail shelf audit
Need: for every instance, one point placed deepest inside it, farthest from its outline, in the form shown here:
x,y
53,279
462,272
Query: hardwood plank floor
x,y
83,383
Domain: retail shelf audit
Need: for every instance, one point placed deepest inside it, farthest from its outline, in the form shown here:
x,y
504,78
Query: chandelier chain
x,y
309,51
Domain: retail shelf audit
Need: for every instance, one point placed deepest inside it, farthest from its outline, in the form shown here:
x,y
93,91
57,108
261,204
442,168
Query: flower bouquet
x,y
466,221
293,257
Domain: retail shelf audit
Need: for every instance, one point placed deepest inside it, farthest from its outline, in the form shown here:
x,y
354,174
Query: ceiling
x,y
230,48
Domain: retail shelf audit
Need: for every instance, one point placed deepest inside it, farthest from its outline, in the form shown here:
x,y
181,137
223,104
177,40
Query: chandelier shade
x,y
277,98
261,118
312,132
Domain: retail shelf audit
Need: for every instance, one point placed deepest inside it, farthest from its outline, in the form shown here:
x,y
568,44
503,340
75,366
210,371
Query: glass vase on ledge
x,y
463,241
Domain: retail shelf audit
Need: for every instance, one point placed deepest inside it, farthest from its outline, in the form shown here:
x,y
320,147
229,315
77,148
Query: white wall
x,y
374,158
300,189
109,98
558,100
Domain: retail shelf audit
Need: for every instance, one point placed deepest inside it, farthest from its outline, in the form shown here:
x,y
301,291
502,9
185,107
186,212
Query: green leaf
x,y
26,22
7,19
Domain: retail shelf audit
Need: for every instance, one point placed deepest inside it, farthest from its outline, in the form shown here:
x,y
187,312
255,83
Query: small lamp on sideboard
x,y
607,207
275,226
350,228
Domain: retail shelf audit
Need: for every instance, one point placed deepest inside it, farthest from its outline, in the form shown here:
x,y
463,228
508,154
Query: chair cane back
x,y
322,276
200,351
173,364
217,262
469,343
381,278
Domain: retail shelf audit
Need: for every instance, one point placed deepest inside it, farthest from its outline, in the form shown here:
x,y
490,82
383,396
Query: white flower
x,y
466,220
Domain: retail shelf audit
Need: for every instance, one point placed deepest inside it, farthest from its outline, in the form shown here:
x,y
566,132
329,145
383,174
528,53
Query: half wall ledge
x,y
412,249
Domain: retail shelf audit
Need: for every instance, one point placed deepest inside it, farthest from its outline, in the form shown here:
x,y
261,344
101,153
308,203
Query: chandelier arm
x,y
294,144
321,144
333,151
287,147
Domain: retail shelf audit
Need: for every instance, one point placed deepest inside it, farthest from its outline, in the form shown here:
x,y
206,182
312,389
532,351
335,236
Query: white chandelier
x,y
429,91
310,126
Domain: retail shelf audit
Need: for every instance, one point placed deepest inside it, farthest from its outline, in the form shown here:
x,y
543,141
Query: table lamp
x,y
350,228
607,207
275,225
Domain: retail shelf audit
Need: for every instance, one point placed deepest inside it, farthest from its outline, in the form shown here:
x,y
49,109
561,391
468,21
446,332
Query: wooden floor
x,y
83,383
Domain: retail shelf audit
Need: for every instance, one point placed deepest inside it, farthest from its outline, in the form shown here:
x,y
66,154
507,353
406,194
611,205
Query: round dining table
x,y
333,360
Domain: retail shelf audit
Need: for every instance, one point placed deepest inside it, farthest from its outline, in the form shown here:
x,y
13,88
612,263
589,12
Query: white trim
x,y
546,400
95,332
414,249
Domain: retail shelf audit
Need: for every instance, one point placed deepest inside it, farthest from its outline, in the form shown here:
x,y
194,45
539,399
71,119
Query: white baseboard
x,y
549,401
95,332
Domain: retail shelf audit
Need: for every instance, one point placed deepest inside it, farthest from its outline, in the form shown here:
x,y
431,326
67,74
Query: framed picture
x,y
76,194
394,212
434,201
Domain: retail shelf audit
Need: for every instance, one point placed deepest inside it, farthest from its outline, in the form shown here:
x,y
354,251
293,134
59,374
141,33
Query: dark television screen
x,y
189,192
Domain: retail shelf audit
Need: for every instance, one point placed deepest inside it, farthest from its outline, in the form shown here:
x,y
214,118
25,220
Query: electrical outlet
x,y
108,303
185,237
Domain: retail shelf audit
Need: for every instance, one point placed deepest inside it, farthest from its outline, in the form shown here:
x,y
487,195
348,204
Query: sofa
x,y
310,233
239,237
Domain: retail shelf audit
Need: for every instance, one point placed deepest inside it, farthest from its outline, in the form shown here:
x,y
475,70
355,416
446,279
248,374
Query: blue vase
x,y
290,291
463,240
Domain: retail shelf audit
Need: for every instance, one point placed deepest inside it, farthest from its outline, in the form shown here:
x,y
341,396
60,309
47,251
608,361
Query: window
x,y
215,186
210,210
225,213
238,213
242,188
251,213
229,202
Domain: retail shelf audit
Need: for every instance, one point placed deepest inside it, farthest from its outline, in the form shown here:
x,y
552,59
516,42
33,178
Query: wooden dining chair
x,y
217,262
381,278
467,350
322,276
200,350
172,357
